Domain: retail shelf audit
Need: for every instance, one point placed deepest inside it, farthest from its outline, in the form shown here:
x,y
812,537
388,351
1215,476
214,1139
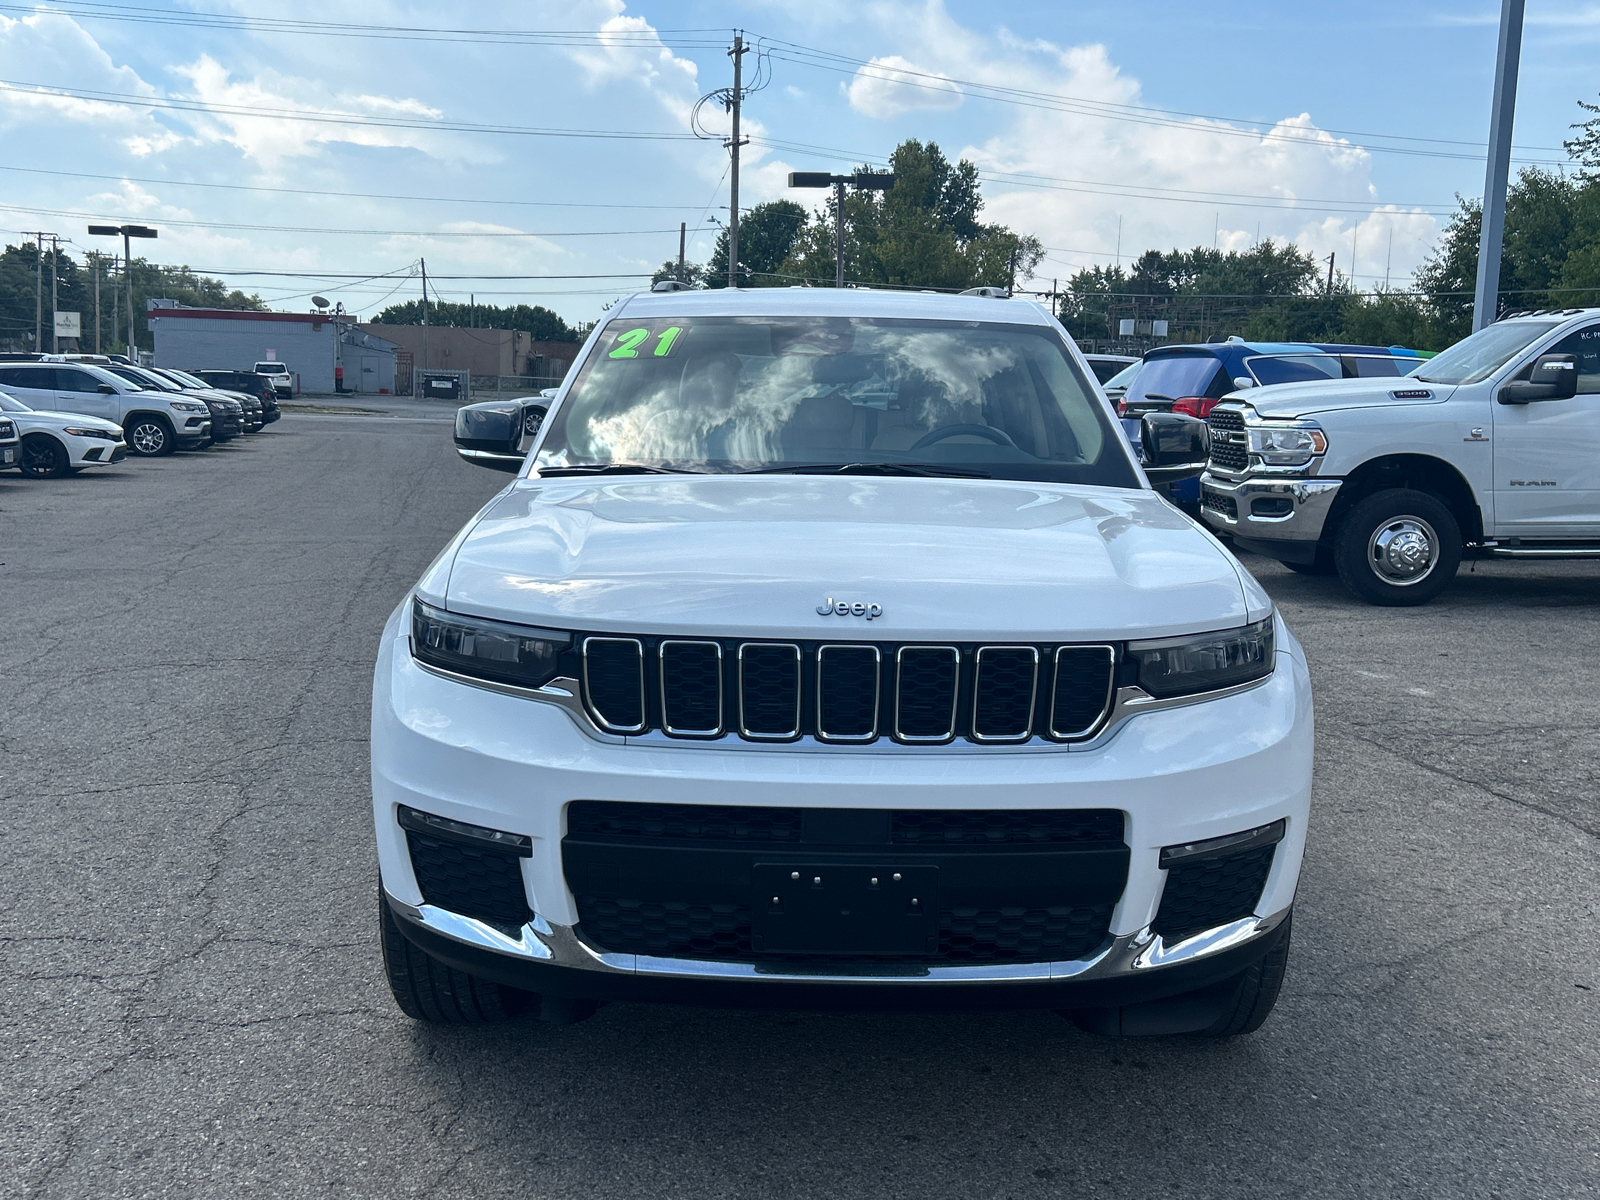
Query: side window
x,y
1584,344
1373,366
41,378
1298,369
68,380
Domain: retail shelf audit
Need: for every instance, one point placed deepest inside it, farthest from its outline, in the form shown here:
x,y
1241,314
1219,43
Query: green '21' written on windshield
x,y
631,342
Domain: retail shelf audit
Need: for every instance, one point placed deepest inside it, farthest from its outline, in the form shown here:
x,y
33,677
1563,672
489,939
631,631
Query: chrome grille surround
x,y
948,733
668,649
744,657
1088,730
593,708
1026,731
877,691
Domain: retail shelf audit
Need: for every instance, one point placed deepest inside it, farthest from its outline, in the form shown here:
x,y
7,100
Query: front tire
x,y
428,990
43,457
1398,548
148,437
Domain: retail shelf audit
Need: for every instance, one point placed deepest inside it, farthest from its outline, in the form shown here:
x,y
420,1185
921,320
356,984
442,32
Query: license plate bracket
x,y
844,909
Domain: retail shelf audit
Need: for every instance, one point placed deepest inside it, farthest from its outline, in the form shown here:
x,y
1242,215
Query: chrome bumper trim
x,y
558,945
1310,501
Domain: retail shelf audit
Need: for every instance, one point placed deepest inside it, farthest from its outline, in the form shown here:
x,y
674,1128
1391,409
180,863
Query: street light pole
x,y
127,232
863,181
1507,59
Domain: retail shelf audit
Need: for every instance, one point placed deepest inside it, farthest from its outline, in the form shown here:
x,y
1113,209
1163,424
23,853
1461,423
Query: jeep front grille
x,y
846,692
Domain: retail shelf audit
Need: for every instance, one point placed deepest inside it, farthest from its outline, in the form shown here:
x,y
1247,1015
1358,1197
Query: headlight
x,y
7,430
514,654
188,406
1286,445
1204,662
76,431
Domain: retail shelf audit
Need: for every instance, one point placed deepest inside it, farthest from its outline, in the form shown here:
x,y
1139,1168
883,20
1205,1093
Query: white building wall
x,y
226,344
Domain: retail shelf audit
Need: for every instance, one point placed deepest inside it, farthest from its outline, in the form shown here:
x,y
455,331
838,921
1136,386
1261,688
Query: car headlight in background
x,y
1204,662
7,430
494,650
1287,445
188,406
86,432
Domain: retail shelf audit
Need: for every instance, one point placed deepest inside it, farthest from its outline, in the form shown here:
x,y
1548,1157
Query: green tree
x,y
535,320
923,232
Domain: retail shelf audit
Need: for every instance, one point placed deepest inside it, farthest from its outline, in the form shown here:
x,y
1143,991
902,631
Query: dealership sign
x,y
69,324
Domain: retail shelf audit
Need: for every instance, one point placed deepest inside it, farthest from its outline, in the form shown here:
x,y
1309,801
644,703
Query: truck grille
x,y
675,880
1230,450
846,692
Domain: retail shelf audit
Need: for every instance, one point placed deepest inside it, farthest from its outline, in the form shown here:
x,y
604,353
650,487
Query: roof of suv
x,y
830,302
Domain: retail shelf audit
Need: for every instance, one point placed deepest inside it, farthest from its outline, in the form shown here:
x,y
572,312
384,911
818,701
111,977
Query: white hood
x,y
742,556
1305,399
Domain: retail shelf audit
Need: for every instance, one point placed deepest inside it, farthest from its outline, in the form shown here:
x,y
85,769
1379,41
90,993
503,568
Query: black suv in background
x,y
227,416
248,382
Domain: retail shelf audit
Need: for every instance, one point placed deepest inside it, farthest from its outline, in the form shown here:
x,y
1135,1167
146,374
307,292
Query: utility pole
x,y
55,338
738,52
1330,275
683,237
38,292
1011,277
94,258
424,263
1507,59
115,307
838,232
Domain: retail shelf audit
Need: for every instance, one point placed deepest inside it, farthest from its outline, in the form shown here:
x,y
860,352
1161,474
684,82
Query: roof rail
x,y
990,293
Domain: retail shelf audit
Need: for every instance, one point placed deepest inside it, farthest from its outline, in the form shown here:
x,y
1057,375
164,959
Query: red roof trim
x,y
229,314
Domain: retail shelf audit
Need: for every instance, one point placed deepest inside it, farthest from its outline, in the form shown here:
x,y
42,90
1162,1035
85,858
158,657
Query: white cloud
x,y
889,85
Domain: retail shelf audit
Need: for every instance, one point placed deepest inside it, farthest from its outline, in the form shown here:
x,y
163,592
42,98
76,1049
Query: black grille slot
x,y
769,690
1082,691
1006,827
1051,934
485,884
613,682
1211,892
1003,693
625,820
666,928
691,688
1217,502
847,693
925,693
1226,418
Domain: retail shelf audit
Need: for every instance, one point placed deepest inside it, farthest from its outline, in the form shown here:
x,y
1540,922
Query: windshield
x,y
271,369
143,379
184,378
1474,359
1173,376
727,394
7,404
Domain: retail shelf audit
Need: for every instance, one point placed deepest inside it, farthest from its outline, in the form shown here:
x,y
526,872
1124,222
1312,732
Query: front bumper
x,y
508,763
1286,515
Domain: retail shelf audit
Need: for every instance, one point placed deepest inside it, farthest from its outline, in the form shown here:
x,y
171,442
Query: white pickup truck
x,y
1492,448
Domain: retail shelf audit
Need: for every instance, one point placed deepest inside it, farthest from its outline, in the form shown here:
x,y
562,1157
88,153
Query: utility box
x,y
444,385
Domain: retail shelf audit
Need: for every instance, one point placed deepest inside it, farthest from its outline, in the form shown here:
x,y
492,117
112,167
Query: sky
x,y
546,153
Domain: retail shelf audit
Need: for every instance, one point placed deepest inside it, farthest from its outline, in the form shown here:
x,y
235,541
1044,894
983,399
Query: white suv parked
x,y
831,649
282,381
1491,448
152,422
56,443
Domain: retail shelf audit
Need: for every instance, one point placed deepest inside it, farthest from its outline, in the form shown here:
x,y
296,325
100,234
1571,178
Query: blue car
x,y
1190,379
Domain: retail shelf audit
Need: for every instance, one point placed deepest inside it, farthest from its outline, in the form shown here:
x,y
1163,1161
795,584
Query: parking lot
x,y
193,1002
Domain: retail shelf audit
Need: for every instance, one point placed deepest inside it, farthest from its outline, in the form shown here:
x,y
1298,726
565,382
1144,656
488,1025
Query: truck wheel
x,y
148,436
428,990
1398,547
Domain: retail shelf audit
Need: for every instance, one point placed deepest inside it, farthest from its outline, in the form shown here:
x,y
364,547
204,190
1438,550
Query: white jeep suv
x,y
152,422
831,649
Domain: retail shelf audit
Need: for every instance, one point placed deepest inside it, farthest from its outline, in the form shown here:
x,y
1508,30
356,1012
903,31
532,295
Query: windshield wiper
x,y
613,469
869,468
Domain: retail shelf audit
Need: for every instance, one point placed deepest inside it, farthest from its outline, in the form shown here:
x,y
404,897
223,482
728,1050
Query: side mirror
x,y
1552,377
489,434
105,389
1241,382
1175,447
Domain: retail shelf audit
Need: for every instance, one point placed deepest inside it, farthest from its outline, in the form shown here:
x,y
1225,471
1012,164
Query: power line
x,y
325,117
248,187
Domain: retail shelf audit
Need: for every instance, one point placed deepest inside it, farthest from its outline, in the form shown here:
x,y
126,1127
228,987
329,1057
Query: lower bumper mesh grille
x,y
1203,895
485,884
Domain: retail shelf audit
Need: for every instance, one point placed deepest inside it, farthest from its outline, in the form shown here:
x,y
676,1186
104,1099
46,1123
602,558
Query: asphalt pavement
x,y
192,1003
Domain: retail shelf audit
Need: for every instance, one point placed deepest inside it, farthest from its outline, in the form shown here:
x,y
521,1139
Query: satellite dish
x,y
319,301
